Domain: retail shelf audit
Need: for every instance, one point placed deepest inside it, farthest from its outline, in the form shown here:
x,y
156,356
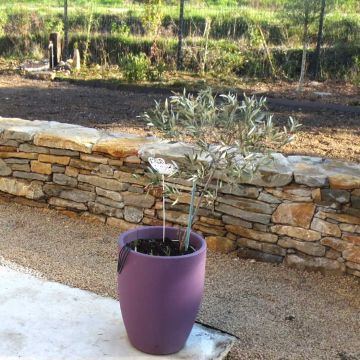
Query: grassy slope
x,y
343,18
342,27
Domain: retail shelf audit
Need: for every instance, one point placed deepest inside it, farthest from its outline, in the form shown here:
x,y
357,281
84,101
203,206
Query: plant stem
x,y
192,212
188,229
163,183
202,194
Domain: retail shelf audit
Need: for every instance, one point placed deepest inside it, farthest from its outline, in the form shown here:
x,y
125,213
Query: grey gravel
x,y
276,312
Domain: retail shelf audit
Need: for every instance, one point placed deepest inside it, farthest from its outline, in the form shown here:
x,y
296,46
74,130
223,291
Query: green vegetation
x,y
140,68
244,130
222,37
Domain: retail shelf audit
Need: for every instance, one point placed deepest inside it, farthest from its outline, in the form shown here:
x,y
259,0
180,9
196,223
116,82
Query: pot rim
x,y
193,233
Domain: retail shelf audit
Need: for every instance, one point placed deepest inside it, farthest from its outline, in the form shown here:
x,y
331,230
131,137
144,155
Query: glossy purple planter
x,y
160,295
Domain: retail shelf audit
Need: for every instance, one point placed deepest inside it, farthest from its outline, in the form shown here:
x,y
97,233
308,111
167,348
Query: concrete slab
x,y
44,320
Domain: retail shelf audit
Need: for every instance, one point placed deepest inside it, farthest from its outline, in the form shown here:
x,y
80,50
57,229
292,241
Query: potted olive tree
x,y
161,269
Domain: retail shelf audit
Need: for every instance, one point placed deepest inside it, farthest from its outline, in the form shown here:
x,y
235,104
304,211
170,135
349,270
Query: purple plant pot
x,y
160,295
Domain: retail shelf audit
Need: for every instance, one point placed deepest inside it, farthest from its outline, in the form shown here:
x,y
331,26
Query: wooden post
x,y
76,60
66,31
56,41
180,55
51,55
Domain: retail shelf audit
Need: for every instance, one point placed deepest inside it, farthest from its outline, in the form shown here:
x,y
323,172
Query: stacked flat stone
x,y
301,210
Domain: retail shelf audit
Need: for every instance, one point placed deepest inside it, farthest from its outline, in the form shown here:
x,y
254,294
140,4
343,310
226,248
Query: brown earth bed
x,y
326,133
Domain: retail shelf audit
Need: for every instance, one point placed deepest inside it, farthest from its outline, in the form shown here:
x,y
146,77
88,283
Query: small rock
x,y
110,202
355,201
176,217
94,158
336,244
108,184
54,159
220,244
30,176
63,179
77,195
252,234
67,204
97,208
247,204
352,255
230,220
64,152
242,214
113,195
5,170
325,227
80,164
133,214
259,256
296,214
309,248
296,232
31,190
41,168
121,224
58,169
138,200
33,149
335,195
346,182
321,264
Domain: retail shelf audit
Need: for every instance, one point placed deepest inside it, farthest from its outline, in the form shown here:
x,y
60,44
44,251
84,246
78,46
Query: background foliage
x,y
222,37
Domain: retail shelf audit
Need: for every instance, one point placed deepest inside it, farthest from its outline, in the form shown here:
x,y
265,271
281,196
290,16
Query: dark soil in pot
x,y
160,247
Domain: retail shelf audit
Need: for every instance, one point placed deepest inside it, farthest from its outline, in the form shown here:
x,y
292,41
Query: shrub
x,y
225,62
139,68
135,67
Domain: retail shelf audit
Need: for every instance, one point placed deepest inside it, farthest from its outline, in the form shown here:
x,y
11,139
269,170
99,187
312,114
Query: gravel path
x,y
277,313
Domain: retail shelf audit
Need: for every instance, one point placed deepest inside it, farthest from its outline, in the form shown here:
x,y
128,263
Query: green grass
x,y
117,28
238,23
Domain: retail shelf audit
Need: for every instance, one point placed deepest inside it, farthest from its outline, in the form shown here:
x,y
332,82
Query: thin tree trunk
x,y
88,34
206,35
305,44
66,31
319,39
180,59
268,54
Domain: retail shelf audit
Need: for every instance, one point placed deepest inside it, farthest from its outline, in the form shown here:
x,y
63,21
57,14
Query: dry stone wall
x,y
302,210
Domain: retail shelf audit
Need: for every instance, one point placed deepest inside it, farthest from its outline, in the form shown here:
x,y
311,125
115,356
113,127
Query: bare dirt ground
x,y
276,312
328,132
329,91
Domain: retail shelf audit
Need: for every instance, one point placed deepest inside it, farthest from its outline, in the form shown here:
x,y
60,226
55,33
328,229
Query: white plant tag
x,y
159,165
